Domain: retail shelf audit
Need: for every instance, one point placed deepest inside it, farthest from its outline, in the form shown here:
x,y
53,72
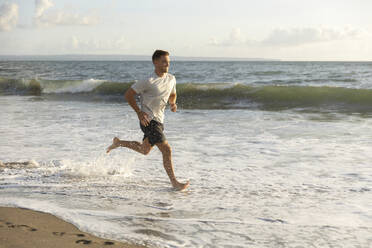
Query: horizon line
x,y
137,57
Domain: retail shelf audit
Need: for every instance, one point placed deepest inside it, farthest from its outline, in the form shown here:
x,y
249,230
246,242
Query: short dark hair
x,y
158,53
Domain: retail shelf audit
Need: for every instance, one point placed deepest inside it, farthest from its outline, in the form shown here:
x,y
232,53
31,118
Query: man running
x,y
155,92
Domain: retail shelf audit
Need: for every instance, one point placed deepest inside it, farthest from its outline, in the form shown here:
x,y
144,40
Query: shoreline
x,y
26,228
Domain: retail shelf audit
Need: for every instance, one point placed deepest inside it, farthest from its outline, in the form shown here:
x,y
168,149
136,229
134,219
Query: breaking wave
x,y
201,96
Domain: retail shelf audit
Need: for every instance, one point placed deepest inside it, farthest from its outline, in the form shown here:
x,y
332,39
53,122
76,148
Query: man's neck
x,y
160,74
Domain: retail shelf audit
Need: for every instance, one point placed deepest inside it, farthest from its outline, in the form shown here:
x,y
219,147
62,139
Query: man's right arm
x,y
129,96
142,116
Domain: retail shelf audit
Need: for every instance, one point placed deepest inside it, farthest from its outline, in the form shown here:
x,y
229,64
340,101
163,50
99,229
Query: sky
x,y
271,29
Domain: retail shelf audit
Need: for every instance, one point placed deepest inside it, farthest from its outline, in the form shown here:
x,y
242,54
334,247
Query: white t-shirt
x,y
154,93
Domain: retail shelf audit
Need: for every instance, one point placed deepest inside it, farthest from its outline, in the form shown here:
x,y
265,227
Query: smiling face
x,y
162,64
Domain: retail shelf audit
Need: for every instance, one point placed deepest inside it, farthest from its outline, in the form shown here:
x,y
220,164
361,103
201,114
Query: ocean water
x,y
278,154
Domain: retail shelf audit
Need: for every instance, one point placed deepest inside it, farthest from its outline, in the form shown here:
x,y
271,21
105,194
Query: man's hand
x,y
173,107
144,118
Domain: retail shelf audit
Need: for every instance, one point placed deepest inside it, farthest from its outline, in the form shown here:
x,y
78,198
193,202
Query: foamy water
x,y
290,178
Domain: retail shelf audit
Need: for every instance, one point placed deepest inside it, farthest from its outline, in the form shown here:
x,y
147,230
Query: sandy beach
x,y
26,228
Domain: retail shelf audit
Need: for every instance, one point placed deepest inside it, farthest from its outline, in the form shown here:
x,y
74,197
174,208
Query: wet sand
x,y
25,228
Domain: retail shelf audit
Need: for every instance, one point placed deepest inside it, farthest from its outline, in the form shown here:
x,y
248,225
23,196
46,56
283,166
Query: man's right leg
x,y
143,148
166,150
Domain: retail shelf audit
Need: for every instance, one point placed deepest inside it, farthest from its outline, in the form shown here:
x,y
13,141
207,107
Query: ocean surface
x,y
278,154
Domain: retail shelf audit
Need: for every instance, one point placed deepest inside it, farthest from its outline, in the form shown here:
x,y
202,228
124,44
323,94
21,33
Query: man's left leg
x,y
166,150
144,147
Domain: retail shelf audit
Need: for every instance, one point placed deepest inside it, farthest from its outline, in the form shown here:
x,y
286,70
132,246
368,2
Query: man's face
x,y
162,63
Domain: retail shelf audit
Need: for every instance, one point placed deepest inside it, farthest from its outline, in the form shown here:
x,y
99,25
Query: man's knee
x,y
146,146
164,147
146,150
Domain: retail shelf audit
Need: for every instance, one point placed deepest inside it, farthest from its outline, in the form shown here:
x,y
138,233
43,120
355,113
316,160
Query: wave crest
x,y
203,96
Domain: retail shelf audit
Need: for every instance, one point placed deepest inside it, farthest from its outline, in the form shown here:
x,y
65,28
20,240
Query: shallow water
x,y
296,177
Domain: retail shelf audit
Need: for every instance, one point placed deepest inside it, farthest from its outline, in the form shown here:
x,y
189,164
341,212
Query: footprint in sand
x,y
87,242
24,227
84,241
59,233
81,241
108,243
32,229
10,224
63,233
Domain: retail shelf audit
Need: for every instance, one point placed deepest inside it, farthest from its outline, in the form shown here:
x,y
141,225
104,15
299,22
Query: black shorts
x,y
154,131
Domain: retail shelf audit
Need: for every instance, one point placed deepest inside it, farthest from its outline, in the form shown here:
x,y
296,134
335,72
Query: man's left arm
x,y
172,98
172,101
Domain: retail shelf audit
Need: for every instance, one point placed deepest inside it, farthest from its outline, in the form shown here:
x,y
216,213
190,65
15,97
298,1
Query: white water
x,y
70,86
258,178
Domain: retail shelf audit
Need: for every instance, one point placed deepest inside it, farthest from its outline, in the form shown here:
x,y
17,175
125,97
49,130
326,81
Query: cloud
x,y
45,18
99,45
8,16
62,18
300,36
41,6
235,38
293,36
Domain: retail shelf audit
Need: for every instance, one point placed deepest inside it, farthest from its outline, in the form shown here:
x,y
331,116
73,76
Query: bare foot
x,y
181,186
115,144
